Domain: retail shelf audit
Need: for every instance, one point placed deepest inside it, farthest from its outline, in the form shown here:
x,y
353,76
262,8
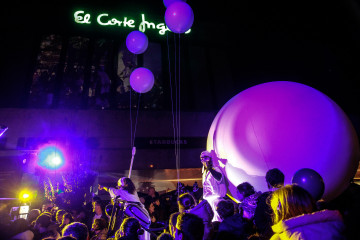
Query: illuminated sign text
x,y
104,19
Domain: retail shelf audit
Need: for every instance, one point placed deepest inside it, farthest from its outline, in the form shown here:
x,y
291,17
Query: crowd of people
x,y
282,212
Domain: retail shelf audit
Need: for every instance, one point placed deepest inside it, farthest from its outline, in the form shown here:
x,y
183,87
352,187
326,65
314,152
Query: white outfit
x,y
125,195
213,190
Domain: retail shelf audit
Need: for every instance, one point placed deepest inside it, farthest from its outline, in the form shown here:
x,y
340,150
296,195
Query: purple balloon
x,y
142,80
311,181
137,42
179,17
169,2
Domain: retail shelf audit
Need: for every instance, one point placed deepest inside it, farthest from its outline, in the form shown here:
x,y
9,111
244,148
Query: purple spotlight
x,y
51,158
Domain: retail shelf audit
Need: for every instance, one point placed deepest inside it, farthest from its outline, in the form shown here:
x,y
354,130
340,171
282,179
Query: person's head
x,y
172,223
151,191
95,198
79,214
180,188
53,212
97,207
67,219
46,213
74,212
291,201
129,227
274,178
244,190
76,229
185,202
195,187
33,214
82,213
42,221
99,224
206,159
47,206
165,236
126,184
59,215
189,227
225,208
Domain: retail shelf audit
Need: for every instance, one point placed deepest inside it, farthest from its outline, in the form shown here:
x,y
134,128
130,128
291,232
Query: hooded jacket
x,y
321,225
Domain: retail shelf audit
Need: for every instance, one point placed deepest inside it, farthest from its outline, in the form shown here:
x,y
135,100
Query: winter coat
x,y
321,225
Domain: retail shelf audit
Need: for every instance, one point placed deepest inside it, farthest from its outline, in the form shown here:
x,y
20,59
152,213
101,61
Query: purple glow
x,y
284,125
51,157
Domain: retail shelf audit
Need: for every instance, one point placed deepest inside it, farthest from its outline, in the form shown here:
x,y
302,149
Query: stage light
x,y
25,196
51,158
56,161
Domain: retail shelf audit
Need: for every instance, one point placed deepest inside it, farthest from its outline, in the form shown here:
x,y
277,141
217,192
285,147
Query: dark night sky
x,y
314,42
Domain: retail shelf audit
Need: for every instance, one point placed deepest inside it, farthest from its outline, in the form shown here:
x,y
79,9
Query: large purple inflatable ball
x,y
285,125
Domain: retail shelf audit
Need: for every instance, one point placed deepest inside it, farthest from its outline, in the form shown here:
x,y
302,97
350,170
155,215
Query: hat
x,y
205,154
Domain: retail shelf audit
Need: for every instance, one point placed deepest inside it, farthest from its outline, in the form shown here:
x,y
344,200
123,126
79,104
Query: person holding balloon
x,y
214,188
126,191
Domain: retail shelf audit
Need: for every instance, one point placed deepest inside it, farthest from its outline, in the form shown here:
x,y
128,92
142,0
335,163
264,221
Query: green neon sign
x,y
104,19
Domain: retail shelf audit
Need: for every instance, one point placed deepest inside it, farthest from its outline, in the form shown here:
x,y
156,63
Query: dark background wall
x,y
230,48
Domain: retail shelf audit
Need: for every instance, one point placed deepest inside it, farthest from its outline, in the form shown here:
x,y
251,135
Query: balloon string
x,y
179,125
174,113
136,118
133,149
176,116
131,126
177,107
171,93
